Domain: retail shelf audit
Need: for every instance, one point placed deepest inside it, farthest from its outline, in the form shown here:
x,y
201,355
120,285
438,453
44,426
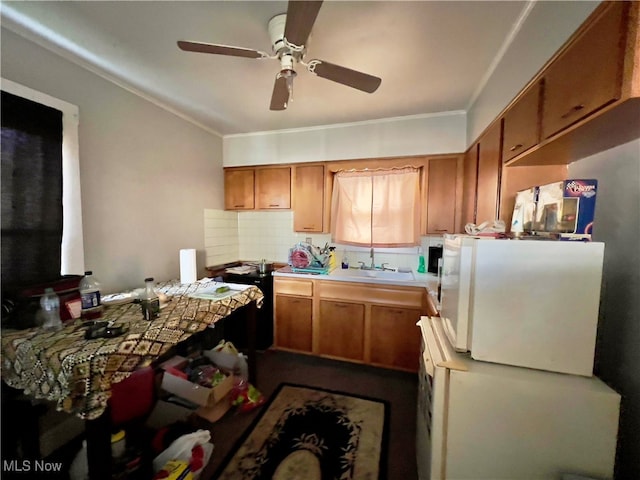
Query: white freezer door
x,y
535,304
456,290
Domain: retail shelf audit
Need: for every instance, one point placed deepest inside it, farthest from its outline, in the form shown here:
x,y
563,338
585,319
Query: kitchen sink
x,y
374,274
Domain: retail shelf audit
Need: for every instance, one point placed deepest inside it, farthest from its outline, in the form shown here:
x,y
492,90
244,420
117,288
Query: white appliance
x,y
529,303
485,421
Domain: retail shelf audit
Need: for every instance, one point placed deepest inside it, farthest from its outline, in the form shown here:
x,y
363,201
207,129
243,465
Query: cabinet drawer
x,y
588,74
290,286
375,294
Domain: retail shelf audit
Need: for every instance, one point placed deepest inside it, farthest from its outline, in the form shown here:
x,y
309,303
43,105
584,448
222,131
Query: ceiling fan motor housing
x,y
276,32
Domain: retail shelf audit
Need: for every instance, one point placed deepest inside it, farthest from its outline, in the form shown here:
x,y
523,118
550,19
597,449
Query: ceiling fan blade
x,y
220,49
345,76
301,15
280,95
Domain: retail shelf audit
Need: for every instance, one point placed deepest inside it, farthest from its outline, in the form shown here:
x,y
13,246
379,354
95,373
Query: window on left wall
x,y
41,209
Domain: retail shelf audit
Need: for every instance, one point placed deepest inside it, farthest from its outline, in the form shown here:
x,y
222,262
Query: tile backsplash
x,y
254,235
221,240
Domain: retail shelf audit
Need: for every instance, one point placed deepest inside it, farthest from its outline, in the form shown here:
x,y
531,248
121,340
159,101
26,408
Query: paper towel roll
x,y
188,268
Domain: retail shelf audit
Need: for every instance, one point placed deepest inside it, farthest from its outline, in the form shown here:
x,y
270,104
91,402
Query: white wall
x,y
403,136
617,224
146,175
547,27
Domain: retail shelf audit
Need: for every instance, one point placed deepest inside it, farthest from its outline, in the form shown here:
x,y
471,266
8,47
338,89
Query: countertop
x,y
426,280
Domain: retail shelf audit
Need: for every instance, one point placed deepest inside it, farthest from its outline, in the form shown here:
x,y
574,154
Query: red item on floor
x,y
246,397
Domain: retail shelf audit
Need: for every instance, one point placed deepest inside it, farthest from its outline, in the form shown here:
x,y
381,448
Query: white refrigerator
x,y
529,303
484,421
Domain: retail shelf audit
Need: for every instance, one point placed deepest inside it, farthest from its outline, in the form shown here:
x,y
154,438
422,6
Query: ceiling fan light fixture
x,y
276,32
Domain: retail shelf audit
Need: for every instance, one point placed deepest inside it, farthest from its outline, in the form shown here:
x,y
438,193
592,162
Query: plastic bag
x,y
182,448
496,226
79,469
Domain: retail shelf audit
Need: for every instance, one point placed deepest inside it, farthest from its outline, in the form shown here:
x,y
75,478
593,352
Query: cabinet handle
x,y
237,206
573,110
515,147
274,204
308,228
441,229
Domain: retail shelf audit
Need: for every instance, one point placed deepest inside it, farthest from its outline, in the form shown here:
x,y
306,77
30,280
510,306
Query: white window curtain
x,y
378,208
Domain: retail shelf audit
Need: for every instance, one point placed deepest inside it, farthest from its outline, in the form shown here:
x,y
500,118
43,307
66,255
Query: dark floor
x,y
399,389
275,367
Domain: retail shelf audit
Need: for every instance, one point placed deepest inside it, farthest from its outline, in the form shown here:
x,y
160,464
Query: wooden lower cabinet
x,y
374,324
293,323
341,329
394,340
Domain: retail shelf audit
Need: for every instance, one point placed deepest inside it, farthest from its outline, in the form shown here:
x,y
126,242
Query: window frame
x,y
72,256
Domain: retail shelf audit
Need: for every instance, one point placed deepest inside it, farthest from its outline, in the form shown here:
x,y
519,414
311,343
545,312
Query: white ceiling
x,y
432,56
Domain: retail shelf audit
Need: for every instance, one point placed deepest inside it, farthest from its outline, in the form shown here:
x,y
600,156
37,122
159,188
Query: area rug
x,y
306,433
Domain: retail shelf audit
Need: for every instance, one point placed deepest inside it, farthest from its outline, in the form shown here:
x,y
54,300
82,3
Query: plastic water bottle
x,y
150,301
50,304
90,297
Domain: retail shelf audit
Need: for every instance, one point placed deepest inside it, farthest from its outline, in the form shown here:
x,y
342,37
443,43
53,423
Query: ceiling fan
x,y
289,33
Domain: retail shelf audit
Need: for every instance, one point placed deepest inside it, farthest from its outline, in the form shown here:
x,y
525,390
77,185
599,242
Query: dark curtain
x,y
31,197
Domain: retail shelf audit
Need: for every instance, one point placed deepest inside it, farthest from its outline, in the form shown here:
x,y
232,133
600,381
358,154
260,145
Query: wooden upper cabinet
x,y
521,129
469,186
489,168
308,198
588,74
238,189
273,187
441,196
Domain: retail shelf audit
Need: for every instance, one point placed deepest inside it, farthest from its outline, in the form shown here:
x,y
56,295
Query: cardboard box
x,y
214,402
567,208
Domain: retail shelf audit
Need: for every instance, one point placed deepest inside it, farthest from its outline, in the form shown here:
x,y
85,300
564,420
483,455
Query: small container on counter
x,y
149,301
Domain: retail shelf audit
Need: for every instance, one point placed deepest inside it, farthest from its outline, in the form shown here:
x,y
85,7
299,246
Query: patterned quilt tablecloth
x,y
62,366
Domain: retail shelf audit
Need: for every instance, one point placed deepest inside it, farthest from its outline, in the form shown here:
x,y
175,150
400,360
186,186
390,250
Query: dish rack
x,y
306,258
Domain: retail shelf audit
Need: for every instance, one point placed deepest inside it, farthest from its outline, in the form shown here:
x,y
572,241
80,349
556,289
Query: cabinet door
x,y
522,124
489,166
469,186
395,338
441,199
293,323
588,74
341,329
308,198
273,188
238,190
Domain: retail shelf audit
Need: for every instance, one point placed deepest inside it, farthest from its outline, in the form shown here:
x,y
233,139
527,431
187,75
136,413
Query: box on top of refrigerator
x,y
567,208
524,210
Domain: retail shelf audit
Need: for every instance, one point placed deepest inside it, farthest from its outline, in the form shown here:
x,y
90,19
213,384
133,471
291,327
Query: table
x,y
77,374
